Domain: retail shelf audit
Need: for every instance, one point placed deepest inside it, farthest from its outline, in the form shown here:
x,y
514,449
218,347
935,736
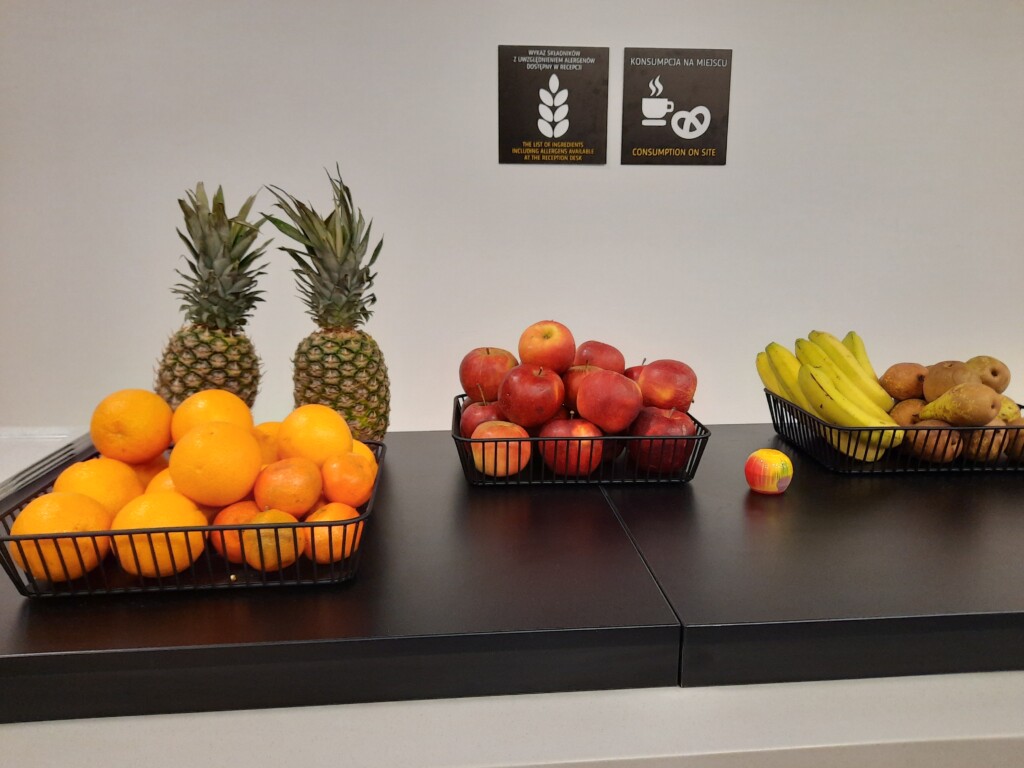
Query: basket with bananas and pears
x,y
951,416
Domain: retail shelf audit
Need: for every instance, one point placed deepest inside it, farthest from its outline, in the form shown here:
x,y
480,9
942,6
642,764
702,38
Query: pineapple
x,y
218,293
339,364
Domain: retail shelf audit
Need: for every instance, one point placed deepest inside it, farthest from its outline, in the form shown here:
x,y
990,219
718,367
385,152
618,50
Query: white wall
x,y
875,181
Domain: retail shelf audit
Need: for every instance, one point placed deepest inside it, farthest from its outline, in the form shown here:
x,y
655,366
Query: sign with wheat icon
x,y
552,105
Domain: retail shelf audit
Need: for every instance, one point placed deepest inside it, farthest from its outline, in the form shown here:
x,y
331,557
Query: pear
x,y
933,440
942,376
964,405
1009,410
993,372
985,444
905,412
904,381
1014,448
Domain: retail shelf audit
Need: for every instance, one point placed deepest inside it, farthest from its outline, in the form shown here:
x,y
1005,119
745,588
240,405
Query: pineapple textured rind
x,y
345,370
198,358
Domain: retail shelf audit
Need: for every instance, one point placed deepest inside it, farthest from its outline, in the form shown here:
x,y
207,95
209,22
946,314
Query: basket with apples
x,y
562,412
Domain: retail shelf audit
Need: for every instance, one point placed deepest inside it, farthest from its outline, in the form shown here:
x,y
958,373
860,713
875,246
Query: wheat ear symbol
x,y
553,110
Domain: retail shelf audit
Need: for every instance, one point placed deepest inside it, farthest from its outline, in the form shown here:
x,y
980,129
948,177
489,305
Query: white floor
x,y
938,721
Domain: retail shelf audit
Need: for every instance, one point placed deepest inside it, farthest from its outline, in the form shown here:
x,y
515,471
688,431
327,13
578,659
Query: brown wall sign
x,y
675,106
552,104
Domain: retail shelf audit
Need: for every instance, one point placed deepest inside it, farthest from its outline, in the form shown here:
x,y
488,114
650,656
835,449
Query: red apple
x,y
668,384
634,371
482,370
561,413
547,344
609,399
475,414
601,355
530,395
575,452
500,452
572,379
665,455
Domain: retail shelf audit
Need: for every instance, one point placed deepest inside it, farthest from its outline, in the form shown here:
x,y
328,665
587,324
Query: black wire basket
x,y
84,563
578,461
867,450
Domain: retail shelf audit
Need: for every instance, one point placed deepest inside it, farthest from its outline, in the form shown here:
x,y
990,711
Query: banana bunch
x,y
834,380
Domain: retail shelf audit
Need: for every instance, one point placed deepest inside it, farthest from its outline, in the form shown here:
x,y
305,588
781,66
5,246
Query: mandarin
x,y
314,431
210,405
216,463
349,478
159,553
277,544
131,425
111,482
291,485
331,543
229,543
60,558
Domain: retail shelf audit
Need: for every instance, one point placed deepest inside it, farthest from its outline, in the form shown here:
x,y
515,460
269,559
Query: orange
x,y
60,558
229,543
111,482
314,431
291,485
159,553
276,545
266,436
362,448
216,463
146,471
209,405
161,482
331,543
349,478
131,425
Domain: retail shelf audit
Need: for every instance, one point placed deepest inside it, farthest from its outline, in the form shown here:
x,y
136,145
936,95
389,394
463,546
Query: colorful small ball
x,y
768,471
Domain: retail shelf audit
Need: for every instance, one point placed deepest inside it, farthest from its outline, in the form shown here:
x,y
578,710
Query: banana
x,y
831,405
855,445
809,353
768,376
786,367
848,364
853,342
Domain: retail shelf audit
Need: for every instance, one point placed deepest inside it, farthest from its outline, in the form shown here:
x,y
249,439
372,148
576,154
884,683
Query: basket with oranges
x,y
194,497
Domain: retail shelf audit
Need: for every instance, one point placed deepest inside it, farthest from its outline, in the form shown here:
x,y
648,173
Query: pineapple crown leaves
x,y
332,271
220,288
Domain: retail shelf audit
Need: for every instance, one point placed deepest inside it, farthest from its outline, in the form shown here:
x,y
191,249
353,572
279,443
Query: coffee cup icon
x,y
655,109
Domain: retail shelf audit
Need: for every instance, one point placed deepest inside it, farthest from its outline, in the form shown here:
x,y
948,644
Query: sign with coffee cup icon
x,y
675,106
552,104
